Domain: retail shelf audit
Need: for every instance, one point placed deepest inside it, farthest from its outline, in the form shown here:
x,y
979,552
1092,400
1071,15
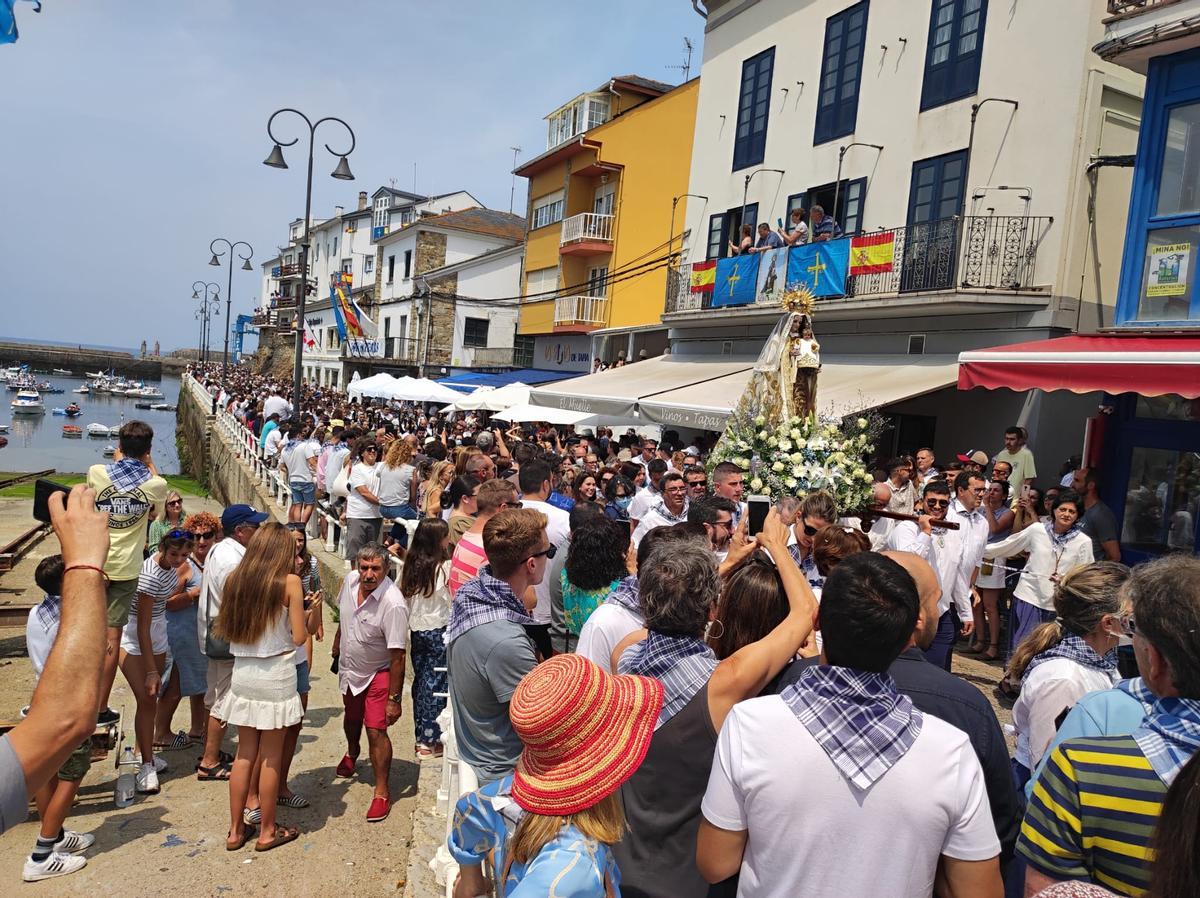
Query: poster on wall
x,y
1168,270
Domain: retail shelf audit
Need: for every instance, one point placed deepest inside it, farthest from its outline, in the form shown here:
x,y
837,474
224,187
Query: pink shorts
x,y
369,707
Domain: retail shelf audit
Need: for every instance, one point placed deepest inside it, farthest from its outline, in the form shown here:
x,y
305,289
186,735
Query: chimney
x,y
337,211
362,200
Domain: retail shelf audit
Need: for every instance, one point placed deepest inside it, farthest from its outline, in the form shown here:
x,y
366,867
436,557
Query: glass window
x,y
368,264
523,352
1169,408
716,239
547,210
754,100
841,71
1170,268
541,283
475,333
1162,502
1179,183
954,51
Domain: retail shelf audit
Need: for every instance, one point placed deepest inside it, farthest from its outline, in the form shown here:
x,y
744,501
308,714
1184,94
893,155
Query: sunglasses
x,y
181,534
511,504
175,502
548,552
937,503
206,535
810,530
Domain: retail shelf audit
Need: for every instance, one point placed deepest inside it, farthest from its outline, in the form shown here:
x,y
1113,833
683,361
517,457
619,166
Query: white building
x,y
980,134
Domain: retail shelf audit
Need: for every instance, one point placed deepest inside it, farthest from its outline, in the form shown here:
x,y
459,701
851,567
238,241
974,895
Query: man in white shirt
x,y
973,531
534,480
276,405
671,509
272,446
841,757
300,465
238,523
650,494
943,549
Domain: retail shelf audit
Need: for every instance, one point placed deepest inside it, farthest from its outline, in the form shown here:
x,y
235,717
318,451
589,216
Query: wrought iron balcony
x,y
1120,9
585,311
402,348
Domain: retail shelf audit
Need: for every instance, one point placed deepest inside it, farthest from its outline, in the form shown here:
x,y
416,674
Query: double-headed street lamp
x,y
342,172
210,306
216,260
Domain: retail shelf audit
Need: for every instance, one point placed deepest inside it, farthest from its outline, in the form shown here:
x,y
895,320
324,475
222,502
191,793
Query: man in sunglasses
x,y
965,510
943,549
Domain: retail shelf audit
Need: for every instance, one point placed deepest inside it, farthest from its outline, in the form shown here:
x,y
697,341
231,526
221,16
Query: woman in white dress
x,y
262,617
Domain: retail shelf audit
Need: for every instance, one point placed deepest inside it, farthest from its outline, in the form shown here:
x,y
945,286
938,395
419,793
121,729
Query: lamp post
x,y
210,305
837,184
342,172
216,260
674,294
746,190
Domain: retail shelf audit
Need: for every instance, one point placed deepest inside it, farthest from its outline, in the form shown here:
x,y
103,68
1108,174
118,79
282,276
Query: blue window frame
x,y
841,73
935,199
754,101
1162,243
716,236
954,51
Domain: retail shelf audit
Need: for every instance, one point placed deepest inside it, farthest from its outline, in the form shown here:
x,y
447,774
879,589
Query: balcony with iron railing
x,y
1120,9
401,348
975,253
289,271
580,312
587,234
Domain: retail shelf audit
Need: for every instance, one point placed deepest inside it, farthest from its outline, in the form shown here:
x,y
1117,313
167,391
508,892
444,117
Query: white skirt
x,y
262,694
994,579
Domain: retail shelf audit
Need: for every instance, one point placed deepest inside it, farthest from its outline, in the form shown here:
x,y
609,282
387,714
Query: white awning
x,y
847,384
617,391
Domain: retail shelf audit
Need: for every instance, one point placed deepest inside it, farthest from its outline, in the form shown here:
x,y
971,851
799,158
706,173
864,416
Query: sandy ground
x,y
174,842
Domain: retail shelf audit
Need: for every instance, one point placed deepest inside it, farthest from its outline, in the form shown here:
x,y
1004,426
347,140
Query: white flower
x,y
785,445
868,477
800,444
862,423
772,442
791,483
777,467
766,490
798,471
756,484
742,444
760,420
796,458
762,435
795,434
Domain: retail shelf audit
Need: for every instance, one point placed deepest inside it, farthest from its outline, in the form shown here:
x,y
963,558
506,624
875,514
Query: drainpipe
x,y
700,11
1096,163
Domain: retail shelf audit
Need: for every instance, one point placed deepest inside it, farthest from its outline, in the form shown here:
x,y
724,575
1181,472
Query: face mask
x,y
622,502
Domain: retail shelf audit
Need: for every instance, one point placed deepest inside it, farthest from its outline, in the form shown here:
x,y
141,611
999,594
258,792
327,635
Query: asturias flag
x,y
875,254
821,267
737,281
704,276
344,311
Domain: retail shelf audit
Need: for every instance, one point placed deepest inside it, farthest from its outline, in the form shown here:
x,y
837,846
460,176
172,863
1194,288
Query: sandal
x,y
248,833
251,815
992,653
292,801
283,835
218,772
180,741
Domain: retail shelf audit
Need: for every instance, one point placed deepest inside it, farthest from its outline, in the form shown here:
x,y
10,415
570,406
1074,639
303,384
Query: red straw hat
x,y
585,733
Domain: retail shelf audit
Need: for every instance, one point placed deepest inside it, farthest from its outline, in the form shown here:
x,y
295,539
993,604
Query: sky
x,y
133,133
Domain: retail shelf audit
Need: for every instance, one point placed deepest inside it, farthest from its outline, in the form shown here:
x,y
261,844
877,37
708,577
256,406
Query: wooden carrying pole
x,y
897,516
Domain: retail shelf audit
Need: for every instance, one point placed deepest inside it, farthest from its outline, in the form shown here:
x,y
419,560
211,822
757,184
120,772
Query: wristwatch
x,y
397,698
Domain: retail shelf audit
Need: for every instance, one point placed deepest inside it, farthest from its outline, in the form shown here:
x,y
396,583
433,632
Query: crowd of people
x,y
656,700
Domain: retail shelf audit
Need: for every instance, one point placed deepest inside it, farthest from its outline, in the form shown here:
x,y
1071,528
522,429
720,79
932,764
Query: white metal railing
x,y
457,780
589,310
587,226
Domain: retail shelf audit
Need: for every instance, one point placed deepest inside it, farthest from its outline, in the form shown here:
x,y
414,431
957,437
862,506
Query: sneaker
x,y
345,766
379,809
160,764
147,780
54,865
108,715
73,842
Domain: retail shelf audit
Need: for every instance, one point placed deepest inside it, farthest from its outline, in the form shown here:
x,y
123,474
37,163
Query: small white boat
x,y
84,390
110,451
162,407
100,430
3,428
28,402
62,371
95,374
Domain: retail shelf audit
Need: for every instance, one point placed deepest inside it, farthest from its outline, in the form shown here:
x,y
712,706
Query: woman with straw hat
x,y
552,822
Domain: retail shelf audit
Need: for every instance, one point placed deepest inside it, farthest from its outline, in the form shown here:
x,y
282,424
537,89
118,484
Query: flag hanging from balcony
x,y
704,276
821,267
8,20
310,339
736,281
354,327
875,254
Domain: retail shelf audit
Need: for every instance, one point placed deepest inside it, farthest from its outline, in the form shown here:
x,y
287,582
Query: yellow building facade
x,y
600,208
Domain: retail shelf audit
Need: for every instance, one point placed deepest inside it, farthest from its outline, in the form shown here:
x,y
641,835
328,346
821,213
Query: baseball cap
x,y
236,515
977,456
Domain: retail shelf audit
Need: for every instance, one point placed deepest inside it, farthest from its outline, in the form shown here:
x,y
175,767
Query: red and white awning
x,y
1137,363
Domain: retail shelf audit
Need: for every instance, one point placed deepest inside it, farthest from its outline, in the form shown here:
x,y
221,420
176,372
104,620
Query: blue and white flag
x,y
737,281
8,20
821,267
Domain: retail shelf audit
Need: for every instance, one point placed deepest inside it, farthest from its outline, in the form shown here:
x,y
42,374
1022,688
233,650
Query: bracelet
x,y
87,567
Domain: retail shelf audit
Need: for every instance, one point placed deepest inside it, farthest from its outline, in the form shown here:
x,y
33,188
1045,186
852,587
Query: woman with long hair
x,y
144,644
619,492
990,582
396,484
1061,661
440,476
262,617
463,490
584,488
172,519
745,241
1055,549
425,585
584,732
596,564
189,667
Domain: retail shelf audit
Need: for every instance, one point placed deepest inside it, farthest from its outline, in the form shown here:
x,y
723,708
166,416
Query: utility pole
x,y
512,192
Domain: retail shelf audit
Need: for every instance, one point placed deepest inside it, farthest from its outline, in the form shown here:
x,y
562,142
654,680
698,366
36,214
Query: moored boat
x,y
100,430
28,402
84,390
72,430
110,451
62,371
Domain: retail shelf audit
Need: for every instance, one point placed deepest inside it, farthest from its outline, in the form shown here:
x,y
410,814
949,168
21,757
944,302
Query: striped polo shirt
x,y
1092,814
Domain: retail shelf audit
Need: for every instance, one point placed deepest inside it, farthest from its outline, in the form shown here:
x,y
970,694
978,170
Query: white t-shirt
x,y
276,405
356,506
640,505
769,776
1046,691
274,439
604,628
297,462
558,529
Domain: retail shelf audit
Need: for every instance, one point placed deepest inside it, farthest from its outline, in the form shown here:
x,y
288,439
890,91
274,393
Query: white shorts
x,y
158,636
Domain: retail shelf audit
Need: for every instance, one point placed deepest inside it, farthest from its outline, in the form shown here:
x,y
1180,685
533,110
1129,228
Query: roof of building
x,y
647,84
490,222
403,194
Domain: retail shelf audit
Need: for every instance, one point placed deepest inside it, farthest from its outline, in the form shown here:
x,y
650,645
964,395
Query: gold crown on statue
x,y
797,299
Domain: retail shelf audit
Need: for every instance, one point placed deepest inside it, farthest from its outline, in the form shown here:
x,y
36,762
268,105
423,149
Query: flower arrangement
x,y
803,455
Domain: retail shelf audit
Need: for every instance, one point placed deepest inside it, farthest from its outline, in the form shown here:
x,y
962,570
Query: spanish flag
x,y
874,254
704,276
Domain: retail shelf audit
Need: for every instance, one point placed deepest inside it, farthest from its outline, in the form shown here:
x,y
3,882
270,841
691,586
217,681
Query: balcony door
x,y
598,281
604,202
935,201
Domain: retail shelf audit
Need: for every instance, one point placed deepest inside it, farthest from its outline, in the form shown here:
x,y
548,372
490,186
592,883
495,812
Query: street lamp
x,y
216,260
837,184
746,190
342,172
210,306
